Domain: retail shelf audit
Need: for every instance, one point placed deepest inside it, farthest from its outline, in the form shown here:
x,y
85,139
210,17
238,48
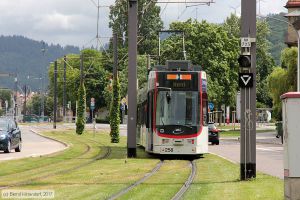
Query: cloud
x,y
74,22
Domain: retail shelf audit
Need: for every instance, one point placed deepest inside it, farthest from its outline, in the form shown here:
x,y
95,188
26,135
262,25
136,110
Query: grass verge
x,y
99,179
219,179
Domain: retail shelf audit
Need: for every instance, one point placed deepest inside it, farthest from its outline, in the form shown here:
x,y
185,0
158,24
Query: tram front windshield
x,y
177,108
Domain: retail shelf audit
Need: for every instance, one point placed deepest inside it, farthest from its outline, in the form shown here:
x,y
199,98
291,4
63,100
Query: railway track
x,y
148,175
177,196
188,183
99,156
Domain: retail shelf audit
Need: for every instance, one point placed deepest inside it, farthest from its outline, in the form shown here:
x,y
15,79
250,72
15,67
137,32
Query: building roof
x,y
293,4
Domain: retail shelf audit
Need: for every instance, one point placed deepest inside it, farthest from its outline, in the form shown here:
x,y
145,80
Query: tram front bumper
x,y
186,150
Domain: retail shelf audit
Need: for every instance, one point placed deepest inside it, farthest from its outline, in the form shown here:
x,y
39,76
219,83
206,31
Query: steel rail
x,y
148,175
188,183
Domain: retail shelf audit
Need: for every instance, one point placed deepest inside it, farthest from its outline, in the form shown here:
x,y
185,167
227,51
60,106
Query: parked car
x,y
10,136
213,133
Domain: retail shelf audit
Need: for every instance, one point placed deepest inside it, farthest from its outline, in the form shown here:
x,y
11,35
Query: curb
x,y
232,161
53,139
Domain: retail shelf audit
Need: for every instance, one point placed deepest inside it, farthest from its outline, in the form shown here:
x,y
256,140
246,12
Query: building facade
x,y
293,7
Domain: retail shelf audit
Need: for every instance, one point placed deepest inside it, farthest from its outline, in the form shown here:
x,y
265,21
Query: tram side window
x,y
148,113
205,108
145,113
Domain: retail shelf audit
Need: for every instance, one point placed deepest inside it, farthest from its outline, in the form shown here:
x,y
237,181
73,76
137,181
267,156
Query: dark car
x,y
213,134
10,135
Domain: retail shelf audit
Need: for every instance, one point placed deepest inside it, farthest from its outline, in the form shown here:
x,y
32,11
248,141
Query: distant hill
x,y
278,34
24,56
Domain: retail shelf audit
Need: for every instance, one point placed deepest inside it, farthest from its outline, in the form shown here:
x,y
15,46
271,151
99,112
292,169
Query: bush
x,y
80,123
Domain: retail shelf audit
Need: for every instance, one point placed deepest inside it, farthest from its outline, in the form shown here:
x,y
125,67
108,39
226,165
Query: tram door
x,y
150,121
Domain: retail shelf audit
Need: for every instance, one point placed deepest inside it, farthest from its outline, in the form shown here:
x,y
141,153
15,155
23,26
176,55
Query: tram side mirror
x,y
168,96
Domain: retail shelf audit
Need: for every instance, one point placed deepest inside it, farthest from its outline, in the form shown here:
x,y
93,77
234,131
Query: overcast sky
x,y
73,22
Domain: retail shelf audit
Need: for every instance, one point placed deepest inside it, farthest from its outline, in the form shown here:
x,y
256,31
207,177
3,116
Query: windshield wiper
x,y
162,121
188,126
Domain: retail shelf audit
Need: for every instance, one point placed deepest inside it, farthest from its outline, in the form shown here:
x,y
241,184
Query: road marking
x,y
264,149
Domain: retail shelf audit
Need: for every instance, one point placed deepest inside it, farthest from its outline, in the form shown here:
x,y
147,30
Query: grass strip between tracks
x,y
216,178
97,180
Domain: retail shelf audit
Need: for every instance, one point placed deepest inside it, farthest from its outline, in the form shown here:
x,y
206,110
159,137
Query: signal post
x,y
247,83
132,77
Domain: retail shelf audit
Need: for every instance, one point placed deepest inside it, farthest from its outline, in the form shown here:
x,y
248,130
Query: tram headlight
x,y
191,141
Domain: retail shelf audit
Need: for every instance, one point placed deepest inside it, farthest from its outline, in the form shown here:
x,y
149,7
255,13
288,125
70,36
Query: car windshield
x,y
3,125
177,108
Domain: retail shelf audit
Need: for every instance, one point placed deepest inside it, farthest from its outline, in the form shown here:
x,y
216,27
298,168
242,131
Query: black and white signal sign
x,y
245,80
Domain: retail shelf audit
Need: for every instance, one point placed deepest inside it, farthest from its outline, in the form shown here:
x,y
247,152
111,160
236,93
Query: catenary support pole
x,y
64,88
16,98
248,97
132,78
55,95
25,101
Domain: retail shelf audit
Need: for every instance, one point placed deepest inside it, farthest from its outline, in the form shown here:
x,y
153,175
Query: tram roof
x,y
177,65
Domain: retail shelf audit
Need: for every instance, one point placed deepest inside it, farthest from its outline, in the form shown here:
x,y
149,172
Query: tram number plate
x,y
168,150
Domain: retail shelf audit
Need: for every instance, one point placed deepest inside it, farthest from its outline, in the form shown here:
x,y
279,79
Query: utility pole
x,y
55,95
25,100
64,89
248,92
132,78
15,98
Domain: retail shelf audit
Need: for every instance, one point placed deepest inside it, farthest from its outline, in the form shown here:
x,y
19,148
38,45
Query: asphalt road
x,y
269,155
33,145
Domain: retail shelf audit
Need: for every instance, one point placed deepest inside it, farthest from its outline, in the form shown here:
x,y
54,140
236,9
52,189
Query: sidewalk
x,y
265,138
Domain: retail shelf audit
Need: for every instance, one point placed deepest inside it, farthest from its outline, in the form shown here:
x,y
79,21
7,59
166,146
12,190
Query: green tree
x,y
142,74
283,80
289,61
149,22
210,46
96,77
264,62
115,112
34,105
6,95
81,109
278,34
277,86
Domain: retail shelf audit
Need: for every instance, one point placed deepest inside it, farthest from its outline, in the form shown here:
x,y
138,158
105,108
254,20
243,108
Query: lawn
x,y
80,173
219,179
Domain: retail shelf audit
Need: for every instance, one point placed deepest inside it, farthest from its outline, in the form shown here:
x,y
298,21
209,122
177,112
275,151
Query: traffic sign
x,y
245,42
211,106
245,80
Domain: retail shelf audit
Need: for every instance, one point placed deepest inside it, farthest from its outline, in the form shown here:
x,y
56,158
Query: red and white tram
x,y
172,110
